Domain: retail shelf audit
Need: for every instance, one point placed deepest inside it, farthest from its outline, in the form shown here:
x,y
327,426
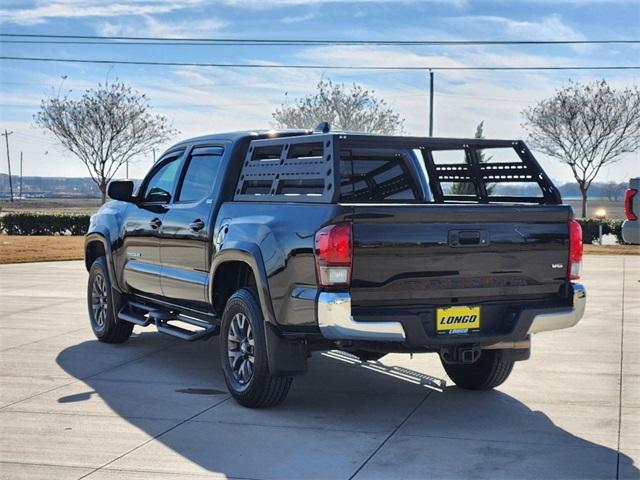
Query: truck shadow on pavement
x,y
334,419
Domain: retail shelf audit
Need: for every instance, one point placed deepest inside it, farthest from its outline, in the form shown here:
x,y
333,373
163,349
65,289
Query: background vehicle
x,y
291,242
631,226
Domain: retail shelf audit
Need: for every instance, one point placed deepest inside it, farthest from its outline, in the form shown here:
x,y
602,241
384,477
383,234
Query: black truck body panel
x,y
409,254
284,234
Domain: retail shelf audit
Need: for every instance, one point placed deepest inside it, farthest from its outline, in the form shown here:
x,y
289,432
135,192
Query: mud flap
x,y
516,354
286,357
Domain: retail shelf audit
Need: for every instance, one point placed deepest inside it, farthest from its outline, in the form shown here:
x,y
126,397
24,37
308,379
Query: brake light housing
x,y
575,250
628,204
334,255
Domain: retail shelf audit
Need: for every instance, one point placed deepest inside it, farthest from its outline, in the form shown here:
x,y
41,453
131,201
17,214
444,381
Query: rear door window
x,y
200,175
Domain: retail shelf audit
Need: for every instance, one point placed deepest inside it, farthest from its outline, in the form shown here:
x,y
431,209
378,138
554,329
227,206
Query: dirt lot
x,y
21,249
612,249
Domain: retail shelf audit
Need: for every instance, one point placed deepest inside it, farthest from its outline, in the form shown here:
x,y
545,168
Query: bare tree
x,y
613,190
357,109
106,127
586,127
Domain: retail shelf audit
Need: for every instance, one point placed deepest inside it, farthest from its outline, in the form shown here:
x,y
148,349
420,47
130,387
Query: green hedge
x,y
590,228
30,223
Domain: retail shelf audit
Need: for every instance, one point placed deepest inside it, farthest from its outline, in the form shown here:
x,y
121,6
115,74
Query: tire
x,y
489,371
101,300
243,354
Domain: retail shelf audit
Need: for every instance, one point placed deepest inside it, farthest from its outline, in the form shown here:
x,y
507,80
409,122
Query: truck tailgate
x,y
454,253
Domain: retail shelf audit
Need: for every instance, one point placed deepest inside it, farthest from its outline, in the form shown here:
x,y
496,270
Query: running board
x,y
144,315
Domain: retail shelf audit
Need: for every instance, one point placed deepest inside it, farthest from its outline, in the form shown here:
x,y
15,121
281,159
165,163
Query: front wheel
x,y
243,354
489,371
101,300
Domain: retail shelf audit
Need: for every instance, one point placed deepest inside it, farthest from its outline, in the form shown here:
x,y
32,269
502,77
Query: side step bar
x,y
144,315
128,314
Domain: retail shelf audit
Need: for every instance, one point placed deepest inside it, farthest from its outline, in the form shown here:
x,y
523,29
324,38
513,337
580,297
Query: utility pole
x,y
6,137
20,175
431,103
127,170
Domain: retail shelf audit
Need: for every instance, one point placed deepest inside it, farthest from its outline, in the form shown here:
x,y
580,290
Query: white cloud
x,y
551,27
300,18
44,10
263,4
152,27
361,55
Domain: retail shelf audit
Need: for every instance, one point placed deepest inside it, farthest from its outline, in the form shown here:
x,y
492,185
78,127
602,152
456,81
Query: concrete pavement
x,y
157,408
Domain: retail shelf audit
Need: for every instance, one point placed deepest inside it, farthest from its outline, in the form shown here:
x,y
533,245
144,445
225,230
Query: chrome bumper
x,y
556,321
336,322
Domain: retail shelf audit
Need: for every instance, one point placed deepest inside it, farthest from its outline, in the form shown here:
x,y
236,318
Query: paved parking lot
x,y
157,408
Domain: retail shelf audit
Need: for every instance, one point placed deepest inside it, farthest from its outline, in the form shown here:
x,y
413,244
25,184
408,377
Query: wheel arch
x,y
96,244
240,259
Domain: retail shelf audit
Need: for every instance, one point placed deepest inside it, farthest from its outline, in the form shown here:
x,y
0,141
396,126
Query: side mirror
x,y
121,190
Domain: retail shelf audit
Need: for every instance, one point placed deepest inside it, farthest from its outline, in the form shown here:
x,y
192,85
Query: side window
x,y
201,174
159,186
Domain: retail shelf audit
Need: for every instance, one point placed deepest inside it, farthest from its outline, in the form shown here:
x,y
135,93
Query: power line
x,y
303,42
117,42
316,67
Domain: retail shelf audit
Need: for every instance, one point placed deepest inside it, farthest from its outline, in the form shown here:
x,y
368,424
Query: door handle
x,y
155,223
196,225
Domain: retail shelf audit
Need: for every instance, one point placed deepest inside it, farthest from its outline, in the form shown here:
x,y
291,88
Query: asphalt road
x,y
157,408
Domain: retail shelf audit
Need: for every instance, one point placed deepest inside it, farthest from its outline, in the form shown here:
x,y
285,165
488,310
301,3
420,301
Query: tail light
x,y
628,204
575,250
333,250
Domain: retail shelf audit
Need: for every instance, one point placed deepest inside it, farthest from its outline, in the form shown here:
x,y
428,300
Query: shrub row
x,y
590,228
31,223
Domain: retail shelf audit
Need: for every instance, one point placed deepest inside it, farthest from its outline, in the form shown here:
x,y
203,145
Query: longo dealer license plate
x,y
453,320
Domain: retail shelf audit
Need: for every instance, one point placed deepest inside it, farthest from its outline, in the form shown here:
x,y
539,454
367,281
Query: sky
x,y
200,100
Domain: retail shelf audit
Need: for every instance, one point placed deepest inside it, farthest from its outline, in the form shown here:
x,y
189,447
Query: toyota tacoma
x,y
283,243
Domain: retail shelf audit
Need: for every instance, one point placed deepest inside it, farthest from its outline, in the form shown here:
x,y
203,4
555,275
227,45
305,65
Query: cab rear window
x,y
376,176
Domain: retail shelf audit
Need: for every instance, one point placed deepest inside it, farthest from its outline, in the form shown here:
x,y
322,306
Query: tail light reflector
x,y
628,204
575,250
333,251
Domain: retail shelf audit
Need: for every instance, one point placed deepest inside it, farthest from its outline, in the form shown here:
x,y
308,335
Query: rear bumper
x,y
545,322
336,322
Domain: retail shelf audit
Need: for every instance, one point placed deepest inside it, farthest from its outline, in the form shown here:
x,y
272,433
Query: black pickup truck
x,y
284,243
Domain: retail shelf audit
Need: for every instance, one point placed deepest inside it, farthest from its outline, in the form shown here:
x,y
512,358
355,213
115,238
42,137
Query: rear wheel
x,y
489,371
101,300
243,354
